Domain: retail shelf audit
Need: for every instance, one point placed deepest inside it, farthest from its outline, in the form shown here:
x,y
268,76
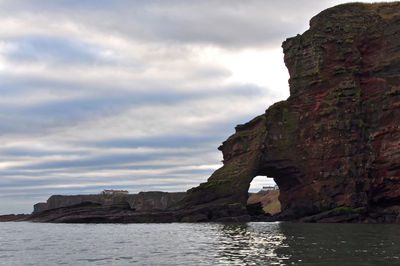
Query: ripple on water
x,y
204,244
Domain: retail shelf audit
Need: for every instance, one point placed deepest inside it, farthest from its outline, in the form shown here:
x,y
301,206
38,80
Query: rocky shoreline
x,y
92,213
144,207
159,207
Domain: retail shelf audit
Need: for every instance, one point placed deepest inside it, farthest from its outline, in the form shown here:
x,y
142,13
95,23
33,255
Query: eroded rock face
x,y
103,208
335,141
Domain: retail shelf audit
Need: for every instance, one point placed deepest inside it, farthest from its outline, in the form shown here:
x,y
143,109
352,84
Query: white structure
x,y
268,188
114,191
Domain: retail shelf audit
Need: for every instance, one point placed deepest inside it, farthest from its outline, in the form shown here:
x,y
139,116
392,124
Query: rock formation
x,y
142,207
334,144
143,201
14,217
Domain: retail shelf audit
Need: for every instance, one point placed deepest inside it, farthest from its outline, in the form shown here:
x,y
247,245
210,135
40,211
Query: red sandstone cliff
x,y
333,146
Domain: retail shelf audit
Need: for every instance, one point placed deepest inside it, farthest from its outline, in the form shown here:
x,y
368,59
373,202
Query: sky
x,y
136,95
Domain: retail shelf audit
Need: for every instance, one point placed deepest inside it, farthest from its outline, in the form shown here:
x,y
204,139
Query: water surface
x,y
199,244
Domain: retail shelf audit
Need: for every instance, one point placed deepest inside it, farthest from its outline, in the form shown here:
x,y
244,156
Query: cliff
x,y
333,145
143,201
141,207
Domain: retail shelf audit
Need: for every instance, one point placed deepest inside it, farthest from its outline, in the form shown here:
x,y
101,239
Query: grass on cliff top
x,y
386,10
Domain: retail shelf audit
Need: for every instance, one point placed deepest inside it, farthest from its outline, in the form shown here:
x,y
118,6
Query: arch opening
x,y
263,196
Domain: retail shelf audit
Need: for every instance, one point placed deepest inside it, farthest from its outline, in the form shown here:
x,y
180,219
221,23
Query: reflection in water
x,y
251,244
308,244
340,244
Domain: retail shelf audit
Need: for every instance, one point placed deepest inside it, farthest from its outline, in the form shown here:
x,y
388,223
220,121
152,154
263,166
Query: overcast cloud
x,y
136,95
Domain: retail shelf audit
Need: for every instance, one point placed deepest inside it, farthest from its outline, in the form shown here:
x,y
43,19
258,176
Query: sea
x,y
26,243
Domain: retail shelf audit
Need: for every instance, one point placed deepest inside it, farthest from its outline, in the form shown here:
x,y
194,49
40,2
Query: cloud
x,y
53,49
33,152
41,114
223,23
164,141
98,161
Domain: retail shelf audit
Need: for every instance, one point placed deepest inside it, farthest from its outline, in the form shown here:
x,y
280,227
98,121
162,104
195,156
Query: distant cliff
x,y
333,147
143,201
100,208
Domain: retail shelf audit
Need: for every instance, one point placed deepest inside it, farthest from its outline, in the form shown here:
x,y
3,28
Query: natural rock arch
x,y
247,155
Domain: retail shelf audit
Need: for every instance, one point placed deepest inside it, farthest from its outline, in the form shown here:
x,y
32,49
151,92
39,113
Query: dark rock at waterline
x,y
94,212
255,209
14,217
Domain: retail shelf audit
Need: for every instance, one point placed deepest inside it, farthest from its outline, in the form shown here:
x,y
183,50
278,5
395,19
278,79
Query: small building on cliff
x,y
114,191
268,188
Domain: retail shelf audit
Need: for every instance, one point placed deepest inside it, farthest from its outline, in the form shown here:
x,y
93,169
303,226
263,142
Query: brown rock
x,y
200,217
14,217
